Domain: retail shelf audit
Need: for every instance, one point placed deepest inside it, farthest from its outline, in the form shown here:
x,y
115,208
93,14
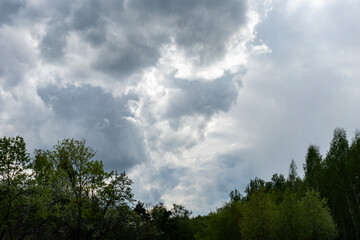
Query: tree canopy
x,y
65,193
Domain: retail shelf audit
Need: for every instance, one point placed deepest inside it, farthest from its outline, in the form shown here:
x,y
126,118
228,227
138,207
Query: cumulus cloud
x,y
140,82
192,98
128,36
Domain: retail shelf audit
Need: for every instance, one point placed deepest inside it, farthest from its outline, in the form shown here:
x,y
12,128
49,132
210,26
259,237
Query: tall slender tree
x,y
312,167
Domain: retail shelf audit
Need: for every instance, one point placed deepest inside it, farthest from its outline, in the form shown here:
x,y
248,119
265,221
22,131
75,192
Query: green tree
x,y
85,201
287,223
294,182
277,187
336,187
353,176
226,221
316,221
254,186
260,214
160,216
312,167
14,180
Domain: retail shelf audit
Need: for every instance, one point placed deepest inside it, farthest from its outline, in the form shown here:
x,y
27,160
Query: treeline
x,y
65,194
323,205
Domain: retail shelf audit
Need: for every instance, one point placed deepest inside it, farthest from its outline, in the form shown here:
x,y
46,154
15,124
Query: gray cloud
x,y
53,44
120,61
16,58
129,35
86,14
201,28
102,120
202,97
9,8
169,177
234,171
88,18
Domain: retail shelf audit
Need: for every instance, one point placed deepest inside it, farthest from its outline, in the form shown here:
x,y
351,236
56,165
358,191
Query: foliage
x,y
14,181
65,193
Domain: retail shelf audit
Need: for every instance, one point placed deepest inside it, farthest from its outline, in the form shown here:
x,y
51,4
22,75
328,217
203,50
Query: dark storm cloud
x,y
129,35
201,28
102,119
88,19
9,8
120,61
202,97
53,44
86,15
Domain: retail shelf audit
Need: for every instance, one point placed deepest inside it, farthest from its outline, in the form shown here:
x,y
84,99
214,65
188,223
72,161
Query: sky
x,y
191,98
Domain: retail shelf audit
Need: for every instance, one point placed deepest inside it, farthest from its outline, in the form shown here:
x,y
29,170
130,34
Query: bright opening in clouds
x,y
190,98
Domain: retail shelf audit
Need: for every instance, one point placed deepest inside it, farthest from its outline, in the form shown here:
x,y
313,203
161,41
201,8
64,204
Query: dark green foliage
x,y
225,222
354,183
336,185
294,182
235,196
14,188
260,213
172,224
312,167
254,186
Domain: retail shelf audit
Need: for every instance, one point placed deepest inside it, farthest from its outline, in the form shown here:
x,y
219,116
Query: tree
x,y
312,167
353,176
161,218
14,162
235,196
146,230
87,200
287,223
254,186
316,221
336,187
277,187
225,223
260,214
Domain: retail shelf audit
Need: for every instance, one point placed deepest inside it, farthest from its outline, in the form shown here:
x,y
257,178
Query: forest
x,y
63,193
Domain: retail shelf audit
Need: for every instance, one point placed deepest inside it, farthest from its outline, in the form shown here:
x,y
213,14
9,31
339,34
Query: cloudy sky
x,y
191,98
